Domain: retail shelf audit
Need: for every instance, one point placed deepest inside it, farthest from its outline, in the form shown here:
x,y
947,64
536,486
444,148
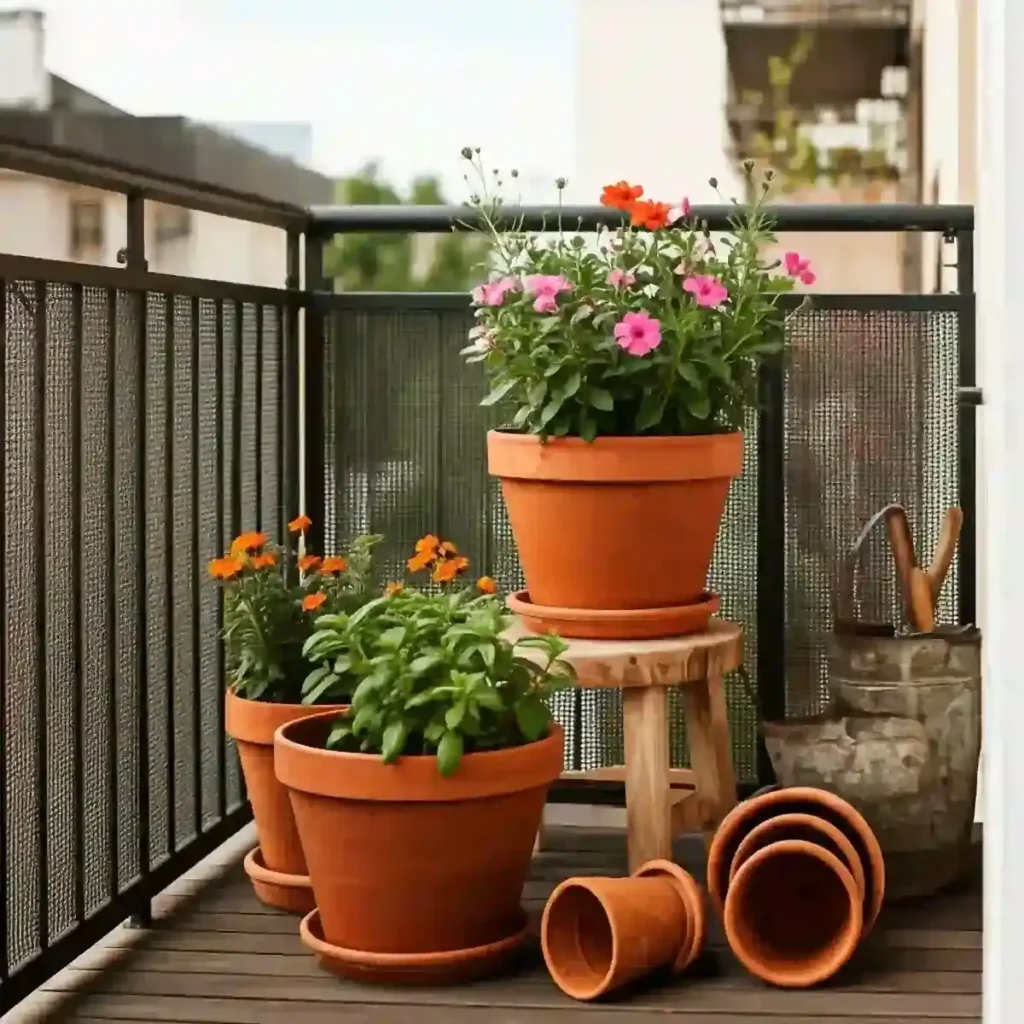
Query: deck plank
x,y
217,956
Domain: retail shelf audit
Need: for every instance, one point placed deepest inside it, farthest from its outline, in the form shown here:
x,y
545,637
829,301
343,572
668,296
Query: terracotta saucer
x,y
620,624
285,892
452,966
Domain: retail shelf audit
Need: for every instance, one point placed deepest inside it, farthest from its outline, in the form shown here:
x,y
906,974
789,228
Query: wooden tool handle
x,y
949,537
920,604
902,544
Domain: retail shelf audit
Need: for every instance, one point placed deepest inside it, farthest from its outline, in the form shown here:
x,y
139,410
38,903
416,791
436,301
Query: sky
x,y
405,82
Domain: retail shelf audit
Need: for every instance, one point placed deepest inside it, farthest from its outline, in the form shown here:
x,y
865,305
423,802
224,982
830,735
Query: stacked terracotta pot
x,y
798,877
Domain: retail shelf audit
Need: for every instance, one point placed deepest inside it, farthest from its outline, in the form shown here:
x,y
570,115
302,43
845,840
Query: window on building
x,y
86,227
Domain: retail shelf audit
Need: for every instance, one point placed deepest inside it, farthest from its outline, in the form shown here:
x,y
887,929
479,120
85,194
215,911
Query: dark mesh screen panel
x,y
871,418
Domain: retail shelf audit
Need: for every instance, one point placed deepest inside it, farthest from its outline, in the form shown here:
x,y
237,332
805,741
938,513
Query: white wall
x,y
651,89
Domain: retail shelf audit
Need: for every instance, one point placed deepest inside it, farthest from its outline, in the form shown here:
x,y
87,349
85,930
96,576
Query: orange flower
x,y
486,585
427,545
421,561
446,571
333,564
652,216
621,195
226,568
264,561
307,563
311,602
248,542
393,588
300,524
446,549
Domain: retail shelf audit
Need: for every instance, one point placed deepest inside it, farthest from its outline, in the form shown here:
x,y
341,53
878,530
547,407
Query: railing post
x,y
290,378
967,417
314,339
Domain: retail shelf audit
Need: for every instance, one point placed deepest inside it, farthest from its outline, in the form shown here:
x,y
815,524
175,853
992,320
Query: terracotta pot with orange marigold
x,y
418,805
271,596
629,368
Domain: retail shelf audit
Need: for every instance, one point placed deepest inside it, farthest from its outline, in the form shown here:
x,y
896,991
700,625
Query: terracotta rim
x,y
749,844
259,872
862,838
611,460
840,953
440,963
346,776
620,624
689,894
256,721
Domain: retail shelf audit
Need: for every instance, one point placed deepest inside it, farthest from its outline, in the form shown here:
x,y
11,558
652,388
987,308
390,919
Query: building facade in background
x,y
50,219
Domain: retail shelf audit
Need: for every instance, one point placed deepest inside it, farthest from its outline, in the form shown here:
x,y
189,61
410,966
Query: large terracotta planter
x,y
598,934
416,876
793,914
622,524
278,868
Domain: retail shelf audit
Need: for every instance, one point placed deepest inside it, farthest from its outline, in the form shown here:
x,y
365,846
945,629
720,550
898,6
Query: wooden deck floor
x,y
218,956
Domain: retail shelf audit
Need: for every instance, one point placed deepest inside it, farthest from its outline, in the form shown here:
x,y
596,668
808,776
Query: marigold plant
x,y
271,597
658,329
436,673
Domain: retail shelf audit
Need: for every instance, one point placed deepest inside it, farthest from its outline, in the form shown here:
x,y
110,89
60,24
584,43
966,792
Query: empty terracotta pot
x,y
598,934
819,803
793,914
408,863
252,724
650,505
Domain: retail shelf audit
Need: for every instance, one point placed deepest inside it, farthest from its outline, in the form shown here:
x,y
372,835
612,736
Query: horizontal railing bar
x,y
925,302
327,220
65,164
92,275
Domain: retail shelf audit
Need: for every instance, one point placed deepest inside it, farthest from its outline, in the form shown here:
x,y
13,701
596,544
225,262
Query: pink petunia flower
x,y
638,333
545,289
797,266
621,278
706,290
680,212
493,292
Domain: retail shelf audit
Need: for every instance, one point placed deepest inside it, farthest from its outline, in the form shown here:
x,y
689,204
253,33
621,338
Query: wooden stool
x,y
661,801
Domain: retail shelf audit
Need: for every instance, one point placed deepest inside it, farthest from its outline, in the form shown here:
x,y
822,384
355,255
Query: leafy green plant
x,y
658,330
270,596
435,673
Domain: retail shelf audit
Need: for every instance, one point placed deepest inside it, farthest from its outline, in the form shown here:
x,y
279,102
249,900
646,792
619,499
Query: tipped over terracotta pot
x,y
278,869
621,524
598,934
416,876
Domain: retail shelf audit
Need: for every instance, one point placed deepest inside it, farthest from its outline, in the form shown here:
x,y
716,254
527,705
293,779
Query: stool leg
x,y
707,731
648,812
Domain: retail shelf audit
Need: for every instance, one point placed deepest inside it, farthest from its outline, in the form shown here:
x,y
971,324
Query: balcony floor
x,y
216,955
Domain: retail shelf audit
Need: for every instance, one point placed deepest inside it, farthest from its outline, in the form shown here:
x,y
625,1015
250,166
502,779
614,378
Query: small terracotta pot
x,y
793,914
252,724
746,816
598,934
406,862
650,505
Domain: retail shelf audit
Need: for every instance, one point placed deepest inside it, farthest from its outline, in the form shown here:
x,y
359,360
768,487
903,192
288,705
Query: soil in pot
x,y
252,724
746,816
793,914
598,934
405,862
622,523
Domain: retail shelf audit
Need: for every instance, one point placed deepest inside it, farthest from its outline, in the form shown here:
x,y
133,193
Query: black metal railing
x,y
865,410
145,418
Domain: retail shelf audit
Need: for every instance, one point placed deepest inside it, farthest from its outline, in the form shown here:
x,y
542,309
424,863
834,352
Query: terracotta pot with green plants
x,y
629,368
271,596
418,805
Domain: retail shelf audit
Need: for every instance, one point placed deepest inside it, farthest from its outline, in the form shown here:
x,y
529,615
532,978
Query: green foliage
x,y
562,368
433,675
271,595
387,261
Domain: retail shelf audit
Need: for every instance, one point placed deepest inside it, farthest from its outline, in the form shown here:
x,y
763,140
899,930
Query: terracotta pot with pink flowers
x,y
271,597
628,370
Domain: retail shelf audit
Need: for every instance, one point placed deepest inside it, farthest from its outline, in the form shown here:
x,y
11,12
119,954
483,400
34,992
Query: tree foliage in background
x,y
388,261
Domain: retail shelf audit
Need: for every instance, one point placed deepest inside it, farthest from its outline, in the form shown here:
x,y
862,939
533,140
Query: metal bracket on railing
x,y
971,396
